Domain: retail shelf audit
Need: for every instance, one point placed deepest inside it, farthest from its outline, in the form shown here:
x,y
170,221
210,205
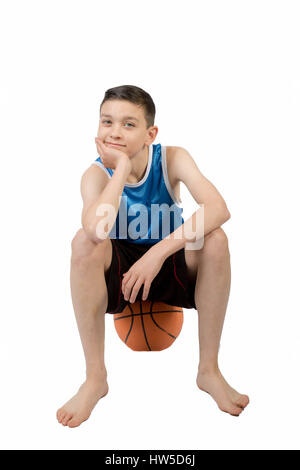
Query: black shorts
x,y
171,285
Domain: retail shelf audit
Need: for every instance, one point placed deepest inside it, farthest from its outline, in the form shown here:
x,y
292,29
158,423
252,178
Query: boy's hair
x,y
135,95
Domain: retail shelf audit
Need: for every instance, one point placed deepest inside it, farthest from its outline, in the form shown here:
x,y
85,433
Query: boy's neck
x,y
139,166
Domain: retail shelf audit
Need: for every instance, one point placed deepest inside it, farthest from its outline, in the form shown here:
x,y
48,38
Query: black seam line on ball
x,y
131,325
146,313
158,324
172,336
143,326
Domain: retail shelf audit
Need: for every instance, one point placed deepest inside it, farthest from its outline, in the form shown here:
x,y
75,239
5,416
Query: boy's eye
x,y
107,120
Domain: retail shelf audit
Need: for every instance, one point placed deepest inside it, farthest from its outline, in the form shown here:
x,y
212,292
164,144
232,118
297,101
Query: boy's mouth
x,y
115,145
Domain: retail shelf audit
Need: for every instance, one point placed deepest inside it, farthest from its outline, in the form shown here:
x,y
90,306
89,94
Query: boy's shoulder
x,y
176,158
183,167
172,151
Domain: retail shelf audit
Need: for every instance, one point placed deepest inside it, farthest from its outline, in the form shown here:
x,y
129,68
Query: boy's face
x,y
123,122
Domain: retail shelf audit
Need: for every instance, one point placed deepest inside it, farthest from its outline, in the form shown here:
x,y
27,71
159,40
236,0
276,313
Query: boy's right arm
x,y
97,188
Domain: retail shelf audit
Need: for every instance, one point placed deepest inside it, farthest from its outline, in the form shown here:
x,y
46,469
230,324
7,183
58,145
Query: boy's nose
x,y
116,135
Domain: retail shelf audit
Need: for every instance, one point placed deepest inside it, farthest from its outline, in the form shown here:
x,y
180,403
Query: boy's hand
x,y
141,272
110,156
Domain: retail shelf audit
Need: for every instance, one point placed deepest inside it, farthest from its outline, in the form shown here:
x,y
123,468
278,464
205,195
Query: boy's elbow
x,y
225,212
91,234
89,227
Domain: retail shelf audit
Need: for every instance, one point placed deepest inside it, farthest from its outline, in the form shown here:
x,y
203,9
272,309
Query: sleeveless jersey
x,y
149,210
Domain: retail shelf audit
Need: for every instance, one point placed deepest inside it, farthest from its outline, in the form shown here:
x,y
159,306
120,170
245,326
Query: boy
x,y
111,266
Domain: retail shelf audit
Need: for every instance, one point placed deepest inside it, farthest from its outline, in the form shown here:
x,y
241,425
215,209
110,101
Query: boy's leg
x,y
89,263
211,265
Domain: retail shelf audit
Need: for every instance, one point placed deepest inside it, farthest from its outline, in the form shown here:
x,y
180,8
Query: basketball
x,y
148,325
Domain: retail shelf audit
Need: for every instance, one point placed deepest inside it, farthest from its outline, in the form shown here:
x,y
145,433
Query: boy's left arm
x,y
211,214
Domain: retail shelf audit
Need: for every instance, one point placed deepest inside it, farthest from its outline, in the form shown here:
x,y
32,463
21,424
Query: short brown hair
x,y
135,95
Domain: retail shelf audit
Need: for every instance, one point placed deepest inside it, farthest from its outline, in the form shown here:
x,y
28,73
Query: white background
x,y
225,78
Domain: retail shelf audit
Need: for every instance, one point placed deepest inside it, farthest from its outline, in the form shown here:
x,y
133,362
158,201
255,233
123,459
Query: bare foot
x,y
79,408
228,399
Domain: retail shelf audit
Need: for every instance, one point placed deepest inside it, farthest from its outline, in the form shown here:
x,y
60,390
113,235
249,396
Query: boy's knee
x,y
84,249
82,246
216,243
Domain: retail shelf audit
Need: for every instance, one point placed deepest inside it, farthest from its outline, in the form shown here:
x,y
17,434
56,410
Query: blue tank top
x,y
149,210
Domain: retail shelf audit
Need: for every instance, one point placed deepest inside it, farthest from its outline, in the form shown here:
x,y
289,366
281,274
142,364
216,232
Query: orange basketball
x,y
149,326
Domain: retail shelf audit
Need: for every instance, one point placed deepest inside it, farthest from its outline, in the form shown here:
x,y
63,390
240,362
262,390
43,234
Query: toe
x,y
73,423
232,409
236,411
77,420
61,416
66,419
243,401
